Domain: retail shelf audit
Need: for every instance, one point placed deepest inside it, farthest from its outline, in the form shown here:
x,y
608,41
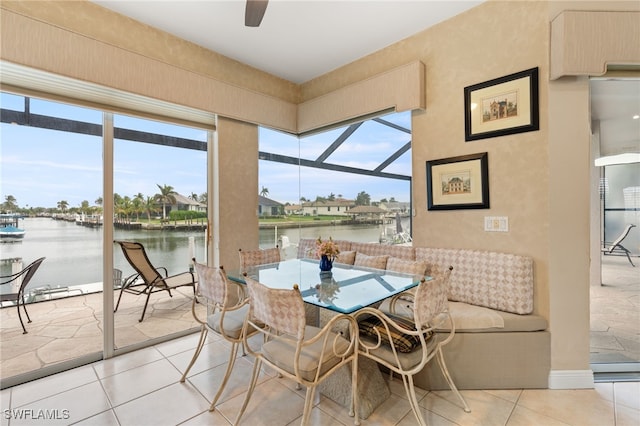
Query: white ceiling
x,y
299,40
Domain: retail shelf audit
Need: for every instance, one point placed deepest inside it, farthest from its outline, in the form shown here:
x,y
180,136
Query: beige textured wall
x,y
489,41
95,22
83,41
238,174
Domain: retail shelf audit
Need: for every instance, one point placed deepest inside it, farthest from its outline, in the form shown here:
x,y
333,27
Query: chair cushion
x,y
375,262
372,325
281,352
232,322
346,257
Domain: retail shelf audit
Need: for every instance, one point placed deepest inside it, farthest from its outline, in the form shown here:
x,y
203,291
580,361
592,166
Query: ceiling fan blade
x,y
254,12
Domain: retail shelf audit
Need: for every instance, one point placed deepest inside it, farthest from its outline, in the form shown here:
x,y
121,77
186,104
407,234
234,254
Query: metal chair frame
x,y
304,354
152,281
25,275
429,306
224,299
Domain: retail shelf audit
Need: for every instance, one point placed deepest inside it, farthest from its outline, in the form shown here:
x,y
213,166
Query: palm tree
x,y
264,191
62,205
149,207
124,207
194,196
10,203
166,195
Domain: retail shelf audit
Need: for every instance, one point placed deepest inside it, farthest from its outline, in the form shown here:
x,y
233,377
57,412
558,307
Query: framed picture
x,y
502,106
458,183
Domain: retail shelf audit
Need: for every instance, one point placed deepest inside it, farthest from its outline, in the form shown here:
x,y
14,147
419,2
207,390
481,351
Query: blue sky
x,y
41,167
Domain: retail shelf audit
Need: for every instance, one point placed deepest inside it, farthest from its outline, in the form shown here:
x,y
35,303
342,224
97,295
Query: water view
x,y
74,253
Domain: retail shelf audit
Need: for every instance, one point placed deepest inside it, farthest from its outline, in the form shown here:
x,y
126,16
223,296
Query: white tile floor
x,y
142,388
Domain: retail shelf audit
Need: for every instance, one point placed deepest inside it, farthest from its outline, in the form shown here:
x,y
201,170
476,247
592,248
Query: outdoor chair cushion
x,y
233,321
281,350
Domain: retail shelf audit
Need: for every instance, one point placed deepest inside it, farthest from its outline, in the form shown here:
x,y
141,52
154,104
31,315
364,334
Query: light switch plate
x,y
496,223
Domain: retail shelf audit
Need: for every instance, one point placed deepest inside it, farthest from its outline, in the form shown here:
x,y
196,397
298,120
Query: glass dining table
x,y
345,290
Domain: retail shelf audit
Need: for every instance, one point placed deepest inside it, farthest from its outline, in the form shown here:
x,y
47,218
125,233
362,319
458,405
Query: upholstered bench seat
x,y
500,342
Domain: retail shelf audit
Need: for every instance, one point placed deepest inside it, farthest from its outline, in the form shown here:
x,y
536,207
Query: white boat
x,y
11,232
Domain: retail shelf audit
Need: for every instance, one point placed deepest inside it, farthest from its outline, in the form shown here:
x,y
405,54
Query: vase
x,y
325,263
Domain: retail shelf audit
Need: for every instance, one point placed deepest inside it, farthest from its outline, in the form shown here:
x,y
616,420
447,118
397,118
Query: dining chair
x,y
258,257
20,279
405,346
302,353
226,308
149,279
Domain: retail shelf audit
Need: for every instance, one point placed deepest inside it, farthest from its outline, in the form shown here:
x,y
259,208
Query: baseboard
x,y
571,379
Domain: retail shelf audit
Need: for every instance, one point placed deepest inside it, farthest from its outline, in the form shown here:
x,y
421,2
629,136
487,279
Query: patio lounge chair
x,y
148,279
25,275
616,247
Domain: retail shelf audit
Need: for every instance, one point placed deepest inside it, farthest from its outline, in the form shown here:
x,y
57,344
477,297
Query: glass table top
x,y
345,289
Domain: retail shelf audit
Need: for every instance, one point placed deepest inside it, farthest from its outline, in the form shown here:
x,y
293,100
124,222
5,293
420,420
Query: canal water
x,y
74,253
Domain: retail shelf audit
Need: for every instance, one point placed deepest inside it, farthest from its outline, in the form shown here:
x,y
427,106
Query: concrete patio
x,y
67,328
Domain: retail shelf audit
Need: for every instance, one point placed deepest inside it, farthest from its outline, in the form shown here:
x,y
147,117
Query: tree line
x,y
125,207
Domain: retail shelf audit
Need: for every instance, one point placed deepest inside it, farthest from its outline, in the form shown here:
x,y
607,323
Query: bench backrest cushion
x,y
495,280
307,247
375,249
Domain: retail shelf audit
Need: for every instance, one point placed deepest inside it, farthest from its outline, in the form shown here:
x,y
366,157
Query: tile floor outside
x,y
142,387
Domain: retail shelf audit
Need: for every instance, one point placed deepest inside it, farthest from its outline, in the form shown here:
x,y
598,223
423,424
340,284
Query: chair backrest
x,y
117,278
621,237
431,299
137,257
29,272
212,284
282,310
258,257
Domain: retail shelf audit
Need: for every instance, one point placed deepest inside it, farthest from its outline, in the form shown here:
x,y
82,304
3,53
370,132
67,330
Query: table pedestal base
x,y
372,388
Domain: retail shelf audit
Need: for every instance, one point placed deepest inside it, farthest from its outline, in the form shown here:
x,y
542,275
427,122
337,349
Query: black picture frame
x,y
458,182
502,106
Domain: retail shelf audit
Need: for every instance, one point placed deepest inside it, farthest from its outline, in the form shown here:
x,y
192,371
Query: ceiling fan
x,y
254,12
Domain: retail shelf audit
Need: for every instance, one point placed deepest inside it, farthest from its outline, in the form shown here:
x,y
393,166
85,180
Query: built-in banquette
x,y
499,342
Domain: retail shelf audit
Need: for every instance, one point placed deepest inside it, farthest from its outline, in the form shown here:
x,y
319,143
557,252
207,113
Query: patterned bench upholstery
x,y
499,281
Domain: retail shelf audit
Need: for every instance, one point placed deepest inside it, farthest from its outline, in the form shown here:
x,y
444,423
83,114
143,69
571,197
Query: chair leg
x,y
447,376
24,307
252,385
227,374
119,297
24,330
308,405
196,354
355,400
407,381
629,257
145,306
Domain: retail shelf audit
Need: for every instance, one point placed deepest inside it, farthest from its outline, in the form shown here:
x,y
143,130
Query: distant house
x,y
395,206
366,212
337,207
183,204
293,209
269,207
